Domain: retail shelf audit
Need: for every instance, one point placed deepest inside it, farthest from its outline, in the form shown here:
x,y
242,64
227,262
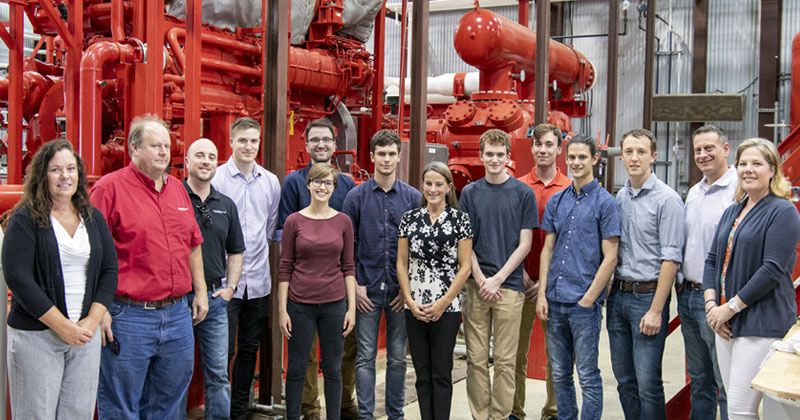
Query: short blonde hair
x,y
779,186
322,170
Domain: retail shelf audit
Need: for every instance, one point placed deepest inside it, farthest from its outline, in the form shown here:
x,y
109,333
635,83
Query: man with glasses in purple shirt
x,y
256,192
376,208
320,145
579,255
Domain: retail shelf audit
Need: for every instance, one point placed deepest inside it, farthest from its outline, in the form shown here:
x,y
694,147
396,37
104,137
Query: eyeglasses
x,y
318,183
203,209
317,140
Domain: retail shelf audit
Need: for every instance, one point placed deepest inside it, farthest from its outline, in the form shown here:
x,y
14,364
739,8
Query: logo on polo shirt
x,y
219,211
183,208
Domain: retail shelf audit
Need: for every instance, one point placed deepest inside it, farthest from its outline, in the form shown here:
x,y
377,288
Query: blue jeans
x,y
573,333
635,357
327,319
149,377
701,357
212,336
367,328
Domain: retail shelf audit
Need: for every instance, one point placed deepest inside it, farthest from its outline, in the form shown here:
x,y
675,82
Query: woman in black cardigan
x,y
60,263
747,282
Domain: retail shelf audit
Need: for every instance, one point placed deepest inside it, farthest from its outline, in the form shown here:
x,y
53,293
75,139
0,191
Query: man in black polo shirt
x,y
222,235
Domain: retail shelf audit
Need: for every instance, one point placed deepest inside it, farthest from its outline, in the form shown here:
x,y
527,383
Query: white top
x,y
74,254
704,207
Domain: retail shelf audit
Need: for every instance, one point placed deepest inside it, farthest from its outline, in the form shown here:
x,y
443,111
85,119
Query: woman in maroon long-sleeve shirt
x,y
316,290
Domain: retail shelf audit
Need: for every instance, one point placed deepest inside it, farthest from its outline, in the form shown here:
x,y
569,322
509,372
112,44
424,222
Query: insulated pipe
x,y
491,42
94,59
794,118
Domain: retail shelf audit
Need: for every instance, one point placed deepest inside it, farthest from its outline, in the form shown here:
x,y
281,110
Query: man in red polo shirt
x,y
546,179
147,358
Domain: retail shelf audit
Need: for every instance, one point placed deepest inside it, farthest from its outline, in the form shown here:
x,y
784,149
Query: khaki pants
x,y
525,330
498,321
310,404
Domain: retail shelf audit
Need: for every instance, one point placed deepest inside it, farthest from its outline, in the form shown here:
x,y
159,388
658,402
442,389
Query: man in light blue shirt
x,y
650,252
706,202
256,193
577,260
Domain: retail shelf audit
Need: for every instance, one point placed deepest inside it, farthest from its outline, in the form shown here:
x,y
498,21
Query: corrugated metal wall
x,y
732,66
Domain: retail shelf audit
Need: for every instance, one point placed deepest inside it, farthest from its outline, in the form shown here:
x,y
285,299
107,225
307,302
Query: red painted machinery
x,y
505,53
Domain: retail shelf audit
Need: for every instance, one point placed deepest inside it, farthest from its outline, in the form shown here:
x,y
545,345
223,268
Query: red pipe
x,y
175,35
91,96
491,42
794,118
314,71
9,196
117,20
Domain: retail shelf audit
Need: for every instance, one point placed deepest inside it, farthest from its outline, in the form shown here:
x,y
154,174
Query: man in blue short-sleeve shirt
x,y
650,251
503,214
579,255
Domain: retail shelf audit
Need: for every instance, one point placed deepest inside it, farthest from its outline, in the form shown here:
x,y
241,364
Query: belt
x,y
636,286
214,284
155,304
698,287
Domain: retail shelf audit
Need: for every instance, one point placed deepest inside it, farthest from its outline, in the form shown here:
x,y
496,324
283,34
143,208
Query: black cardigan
x,y
760,269
32,269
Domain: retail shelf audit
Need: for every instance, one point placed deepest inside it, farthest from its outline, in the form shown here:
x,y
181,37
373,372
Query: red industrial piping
x,y
495,44
117,20
174,36
91,96
34,86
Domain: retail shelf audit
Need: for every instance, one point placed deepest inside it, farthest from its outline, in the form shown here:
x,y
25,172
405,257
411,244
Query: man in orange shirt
x,y
546,179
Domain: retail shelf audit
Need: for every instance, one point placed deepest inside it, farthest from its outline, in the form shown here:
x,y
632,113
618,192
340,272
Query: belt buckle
x,y
149,305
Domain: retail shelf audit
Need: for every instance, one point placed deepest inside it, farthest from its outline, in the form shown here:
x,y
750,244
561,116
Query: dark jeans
x,y
431,345
701,357
326,319
573,333
250,315
636,358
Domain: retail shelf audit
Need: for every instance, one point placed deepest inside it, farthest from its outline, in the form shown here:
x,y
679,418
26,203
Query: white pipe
x,y
441,85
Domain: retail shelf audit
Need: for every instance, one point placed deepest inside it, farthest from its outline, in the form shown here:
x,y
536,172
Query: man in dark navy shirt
x,y
320,145
376,208
218,220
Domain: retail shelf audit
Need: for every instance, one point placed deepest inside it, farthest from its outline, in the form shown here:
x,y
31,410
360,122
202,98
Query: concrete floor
x,y
673,376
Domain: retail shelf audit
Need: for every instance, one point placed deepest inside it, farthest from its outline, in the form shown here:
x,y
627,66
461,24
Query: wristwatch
x,y
232,286
734,305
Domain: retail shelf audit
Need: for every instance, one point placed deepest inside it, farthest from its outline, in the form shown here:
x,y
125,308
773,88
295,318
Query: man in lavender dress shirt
x,y
706,202
256,193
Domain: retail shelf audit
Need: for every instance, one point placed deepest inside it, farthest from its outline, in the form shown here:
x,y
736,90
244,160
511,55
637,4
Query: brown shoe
x,y
350,413
311,416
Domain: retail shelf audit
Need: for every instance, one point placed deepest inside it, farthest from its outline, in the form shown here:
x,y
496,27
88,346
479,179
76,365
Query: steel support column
x,y
419,93
770,49
649,58
699,74
192,126
17,28
611,88
72,69
542,60
275,16
378,46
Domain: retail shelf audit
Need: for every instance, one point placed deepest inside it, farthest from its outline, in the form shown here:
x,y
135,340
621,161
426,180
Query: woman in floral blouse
x,y
433,262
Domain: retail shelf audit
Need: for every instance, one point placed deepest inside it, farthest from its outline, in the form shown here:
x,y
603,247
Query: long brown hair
x,y
36,195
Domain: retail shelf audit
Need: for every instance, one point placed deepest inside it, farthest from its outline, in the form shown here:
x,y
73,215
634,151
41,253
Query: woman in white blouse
x,y
433,262
60,263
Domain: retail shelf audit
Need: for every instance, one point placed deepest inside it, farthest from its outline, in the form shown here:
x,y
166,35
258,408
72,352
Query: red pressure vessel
x,y
489,41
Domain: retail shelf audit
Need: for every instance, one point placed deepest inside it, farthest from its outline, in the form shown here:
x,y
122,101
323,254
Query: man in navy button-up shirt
x,y
577,260
376,207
